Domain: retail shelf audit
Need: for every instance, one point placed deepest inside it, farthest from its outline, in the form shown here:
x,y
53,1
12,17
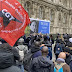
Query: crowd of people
x,y
34,54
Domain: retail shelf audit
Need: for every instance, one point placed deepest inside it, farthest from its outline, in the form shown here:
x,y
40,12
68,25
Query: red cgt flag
x,y
13,20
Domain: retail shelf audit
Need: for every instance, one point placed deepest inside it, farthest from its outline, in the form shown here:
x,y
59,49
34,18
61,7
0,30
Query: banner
x,y
38,26
13,20
44,27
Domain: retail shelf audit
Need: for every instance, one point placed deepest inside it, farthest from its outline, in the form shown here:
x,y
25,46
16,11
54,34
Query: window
x,y
27,7
65,18
59,17
41,12
52,15
65,3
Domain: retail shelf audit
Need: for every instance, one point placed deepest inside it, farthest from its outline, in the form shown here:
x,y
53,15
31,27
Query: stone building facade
x,y
59,12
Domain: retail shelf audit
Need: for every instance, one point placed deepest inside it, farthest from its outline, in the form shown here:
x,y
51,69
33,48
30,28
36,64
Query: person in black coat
x,y
5,47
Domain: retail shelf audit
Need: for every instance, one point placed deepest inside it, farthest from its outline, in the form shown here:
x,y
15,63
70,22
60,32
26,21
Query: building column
x,y
70,24
56,29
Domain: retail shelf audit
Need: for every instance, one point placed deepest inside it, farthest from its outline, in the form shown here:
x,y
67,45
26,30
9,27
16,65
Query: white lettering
x,y
19,13
10,4
11,18
14,8
8,15
0,25
3,11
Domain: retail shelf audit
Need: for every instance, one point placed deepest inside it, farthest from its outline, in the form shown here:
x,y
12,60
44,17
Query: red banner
x,y
13,20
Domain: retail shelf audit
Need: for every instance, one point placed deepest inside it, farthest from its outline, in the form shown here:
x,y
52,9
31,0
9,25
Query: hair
x,y
45,51
37,43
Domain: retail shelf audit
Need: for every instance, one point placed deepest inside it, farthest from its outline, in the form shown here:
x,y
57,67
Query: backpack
x,y
21,53
6,60
58,67
58,48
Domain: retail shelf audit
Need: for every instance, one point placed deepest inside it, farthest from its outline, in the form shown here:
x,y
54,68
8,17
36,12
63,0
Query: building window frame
x,y
52,14
41,12
27,7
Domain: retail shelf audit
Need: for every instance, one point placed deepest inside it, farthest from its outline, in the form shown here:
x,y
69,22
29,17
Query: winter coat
x,y
37,54
7,56
11,69
41,64
58,45
68,58
8,49
51,40
34,49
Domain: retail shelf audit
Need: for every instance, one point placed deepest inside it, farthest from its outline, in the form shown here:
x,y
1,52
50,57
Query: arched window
x,y
52,15
27,7
41,12
65,18
65,2
59,17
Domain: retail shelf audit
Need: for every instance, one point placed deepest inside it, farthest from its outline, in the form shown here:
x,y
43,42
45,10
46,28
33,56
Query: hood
x,y
6,60
60,60
34,49
59,63
43,61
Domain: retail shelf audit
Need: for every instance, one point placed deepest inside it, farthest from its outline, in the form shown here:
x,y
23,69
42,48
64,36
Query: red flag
x,y
13,20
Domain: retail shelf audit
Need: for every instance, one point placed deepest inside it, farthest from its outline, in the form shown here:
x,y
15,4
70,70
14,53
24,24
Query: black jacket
x,y
6,48
34,49
41,64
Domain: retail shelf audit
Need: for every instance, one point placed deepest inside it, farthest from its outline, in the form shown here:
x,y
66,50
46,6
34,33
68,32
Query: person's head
x,y
51,36
62,55
20,41
37,44
45,38
44,51
33,26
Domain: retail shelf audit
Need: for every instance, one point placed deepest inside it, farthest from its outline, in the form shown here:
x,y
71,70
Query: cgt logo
x,y
7,14
7,17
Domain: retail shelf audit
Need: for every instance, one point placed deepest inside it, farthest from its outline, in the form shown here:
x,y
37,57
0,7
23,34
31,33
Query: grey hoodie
x,y
41,64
